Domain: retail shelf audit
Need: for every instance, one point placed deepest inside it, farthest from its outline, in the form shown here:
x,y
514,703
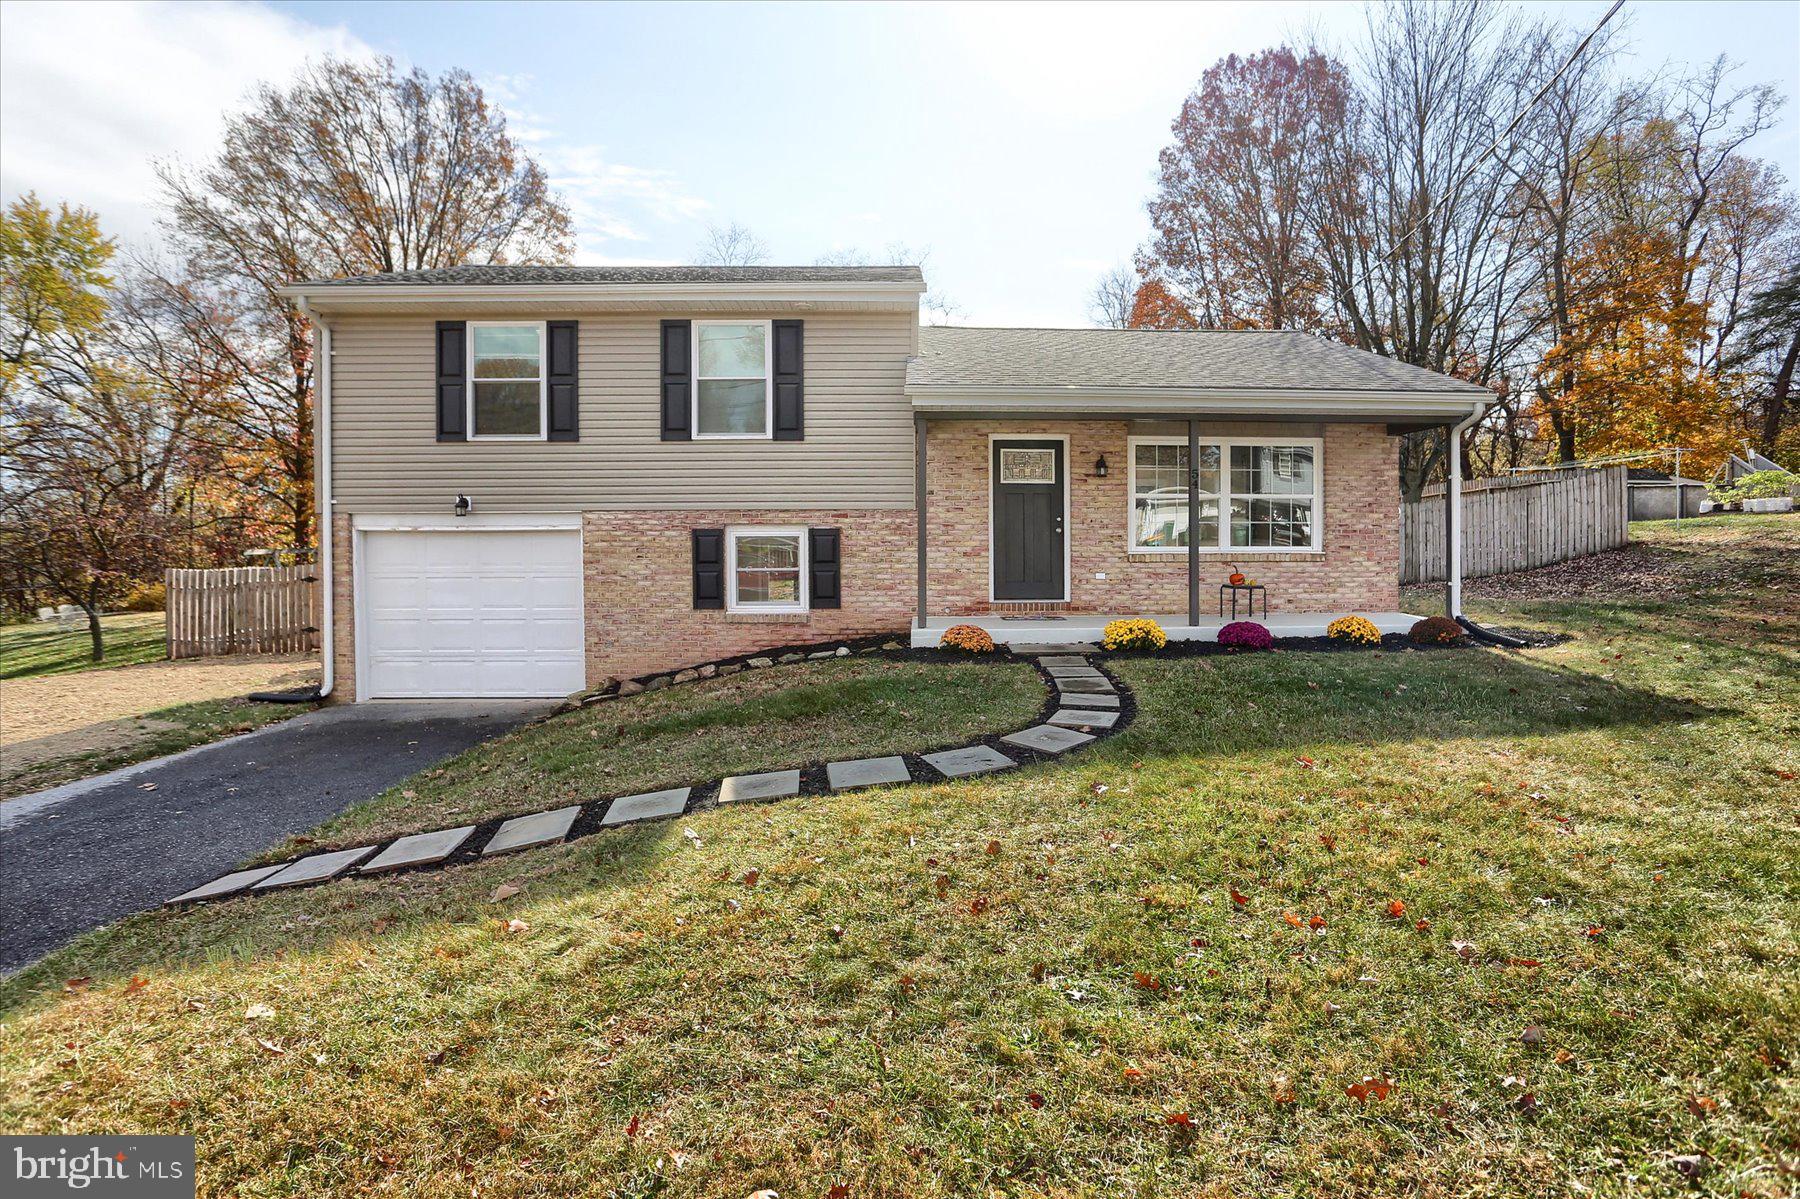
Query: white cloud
x,y
92,93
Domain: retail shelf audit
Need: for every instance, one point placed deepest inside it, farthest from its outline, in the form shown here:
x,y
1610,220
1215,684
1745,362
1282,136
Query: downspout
x,y
322,505
322,514
1453,537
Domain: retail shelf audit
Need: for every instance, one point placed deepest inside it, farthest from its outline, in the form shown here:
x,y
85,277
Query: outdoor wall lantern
x,y
1100,467
464,505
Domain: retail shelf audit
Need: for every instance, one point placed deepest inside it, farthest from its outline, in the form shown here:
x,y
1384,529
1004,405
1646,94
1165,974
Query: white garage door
x,y
472,613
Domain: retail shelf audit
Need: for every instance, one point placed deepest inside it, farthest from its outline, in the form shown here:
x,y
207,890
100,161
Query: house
x,y
539,478
1652,494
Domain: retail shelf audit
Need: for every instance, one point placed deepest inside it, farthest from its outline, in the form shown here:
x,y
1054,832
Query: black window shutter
x,y
709,568
452,382
677,384
826,558
790,399
561,379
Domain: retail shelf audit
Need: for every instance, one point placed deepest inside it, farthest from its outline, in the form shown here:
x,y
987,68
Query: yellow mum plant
x,y
1137,633
1354,628
970,639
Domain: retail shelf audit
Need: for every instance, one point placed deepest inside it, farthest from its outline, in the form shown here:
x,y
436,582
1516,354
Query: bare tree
x,y
731,245
354,168
1114,297
935,308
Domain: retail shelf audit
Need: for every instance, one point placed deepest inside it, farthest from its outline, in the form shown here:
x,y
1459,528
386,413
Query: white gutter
x,y
1453,524
576,293
322,501
1184,400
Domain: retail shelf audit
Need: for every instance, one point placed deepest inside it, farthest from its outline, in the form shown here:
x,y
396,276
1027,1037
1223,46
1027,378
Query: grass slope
x,y
1041,983
28,650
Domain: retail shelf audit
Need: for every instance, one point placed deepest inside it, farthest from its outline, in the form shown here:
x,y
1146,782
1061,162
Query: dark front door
x,y
1028,519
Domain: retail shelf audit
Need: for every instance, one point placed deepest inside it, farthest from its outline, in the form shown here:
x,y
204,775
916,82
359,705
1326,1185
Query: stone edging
x,y
1083,703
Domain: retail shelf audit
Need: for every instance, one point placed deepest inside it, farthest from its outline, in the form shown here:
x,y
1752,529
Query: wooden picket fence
x,y
1518,522
243,610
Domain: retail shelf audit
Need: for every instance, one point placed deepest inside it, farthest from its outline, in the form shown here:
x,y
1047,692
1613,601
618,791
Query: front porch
x,y
1087,629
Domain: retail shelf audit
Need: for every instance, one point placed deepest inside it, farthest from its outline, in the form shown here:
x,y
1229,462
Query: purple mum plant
x,y
1246,634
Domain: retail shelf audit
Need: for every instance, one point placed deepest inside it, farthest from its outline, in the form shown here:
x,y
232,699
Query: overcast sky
x,y
1015,142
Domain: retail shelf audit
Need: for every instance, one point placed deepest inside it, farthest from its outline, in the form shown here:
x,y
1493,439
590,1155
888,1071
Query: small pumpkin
x,y
1237,576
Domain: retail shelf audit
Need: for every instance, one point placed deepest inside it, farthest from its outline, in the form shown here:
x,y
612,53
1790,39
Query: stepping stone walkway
x,y
649,806
867,772
420,849
523,832
1088,706
777,784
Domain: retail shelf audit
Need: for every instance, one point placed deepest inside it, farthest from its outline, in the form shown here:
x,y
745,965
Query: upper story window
x,y
1253,494
732,395
506,380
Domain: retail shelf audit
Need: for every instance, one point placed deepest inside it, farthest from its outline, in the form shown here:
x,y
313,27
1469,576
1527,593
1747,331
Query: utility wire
x,y
1494,145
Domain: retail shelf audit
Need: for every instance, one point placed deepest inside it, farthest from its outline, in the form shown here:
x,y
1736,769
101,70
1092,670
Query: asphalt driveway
x,y
75,857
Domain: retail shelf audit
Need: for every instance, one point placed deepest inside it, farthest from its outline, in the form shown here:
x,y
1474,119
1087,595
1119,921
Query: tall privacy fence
x,y
1517,523
243,610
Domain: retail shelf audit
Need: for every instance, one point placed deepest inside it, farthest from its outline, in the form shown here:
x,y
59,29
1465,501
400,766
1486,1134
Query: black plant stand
x,y
1252,589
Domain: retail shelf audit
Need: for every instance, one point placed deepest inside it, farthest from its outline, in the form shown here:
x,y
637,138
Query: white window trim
x,y
543,382
1222,527
768,433
732,533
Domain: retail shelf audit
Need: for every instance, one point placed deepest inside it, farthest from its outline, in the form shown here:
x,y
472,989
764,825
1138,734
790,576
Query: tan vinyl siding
x,y
386,459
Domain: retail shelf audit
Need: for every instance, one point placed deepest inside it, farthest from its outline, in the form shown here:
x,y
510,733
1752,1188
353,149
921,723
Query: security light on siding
x,y
464,505
1100,467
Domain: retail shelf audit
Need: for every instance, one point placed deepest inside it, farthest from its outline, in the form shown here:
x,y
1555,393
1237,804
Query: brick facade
x,y
638,564
1358,570
639,567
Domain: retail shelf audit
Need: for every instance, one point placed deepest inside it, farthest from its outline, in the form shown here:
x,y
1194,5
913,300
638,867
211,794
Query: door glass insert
x,y
1027,466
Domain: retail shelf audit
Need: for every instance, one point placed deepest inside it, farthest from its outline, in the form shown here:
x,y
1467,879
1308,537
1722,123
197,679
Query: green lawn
x,y
1555,894
34,649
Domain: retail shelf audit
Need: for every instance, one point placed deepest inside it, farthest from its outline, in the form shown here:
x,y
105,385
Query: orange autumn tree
x,y
1629,354
1156,307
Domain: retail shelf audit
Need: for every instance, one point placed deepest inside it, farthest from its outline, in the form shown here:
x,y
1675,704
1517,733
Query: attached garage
x,y
469,611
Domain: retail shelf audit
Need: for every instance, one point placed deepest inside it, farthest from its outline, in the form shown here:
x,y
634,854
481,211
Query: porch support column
x,y
919,505
1193,521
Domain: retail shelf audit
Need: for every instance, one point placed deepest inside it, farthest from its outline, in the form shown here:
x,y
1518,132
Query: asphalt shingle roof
x,y
951,357
502,275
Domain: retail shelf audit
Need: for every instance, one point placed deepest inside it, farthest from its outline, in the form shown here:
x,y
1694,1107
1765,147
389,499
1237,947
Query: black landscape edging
x,y
705,795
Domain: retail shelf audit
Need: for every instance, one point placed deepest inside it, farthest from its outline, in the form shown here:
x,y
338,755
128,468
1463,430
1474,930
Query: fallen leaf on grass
x,y
1282,1092
1305,763
750,877
1529,963
1329,842
1464,950
1701,1105
138,982
271,1048
517,926
1179,1120
1689,1165
1533,1034
1368,1088
503,891
1238,899
993,847
1293,919
1146,982
631,1129
1035,1100
1527,1103
1396,909
1132,1074
838,1191
77,985
258,1011
1594,932
979,904
1423,925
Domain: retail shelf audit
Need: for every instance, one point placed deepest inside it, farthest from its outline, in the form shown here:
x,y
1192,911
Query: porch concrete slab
x,y
315,869
1084,718
867,772
1088,701
523,832
1097,686
1047,738
420,849
1035,648
648,806
1074,672
1052,661
226,884
776,784
973,759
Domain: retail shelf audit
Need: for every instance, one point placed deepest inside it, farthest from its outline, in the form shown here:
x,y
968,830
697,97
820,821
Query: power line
x,y
1494,145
